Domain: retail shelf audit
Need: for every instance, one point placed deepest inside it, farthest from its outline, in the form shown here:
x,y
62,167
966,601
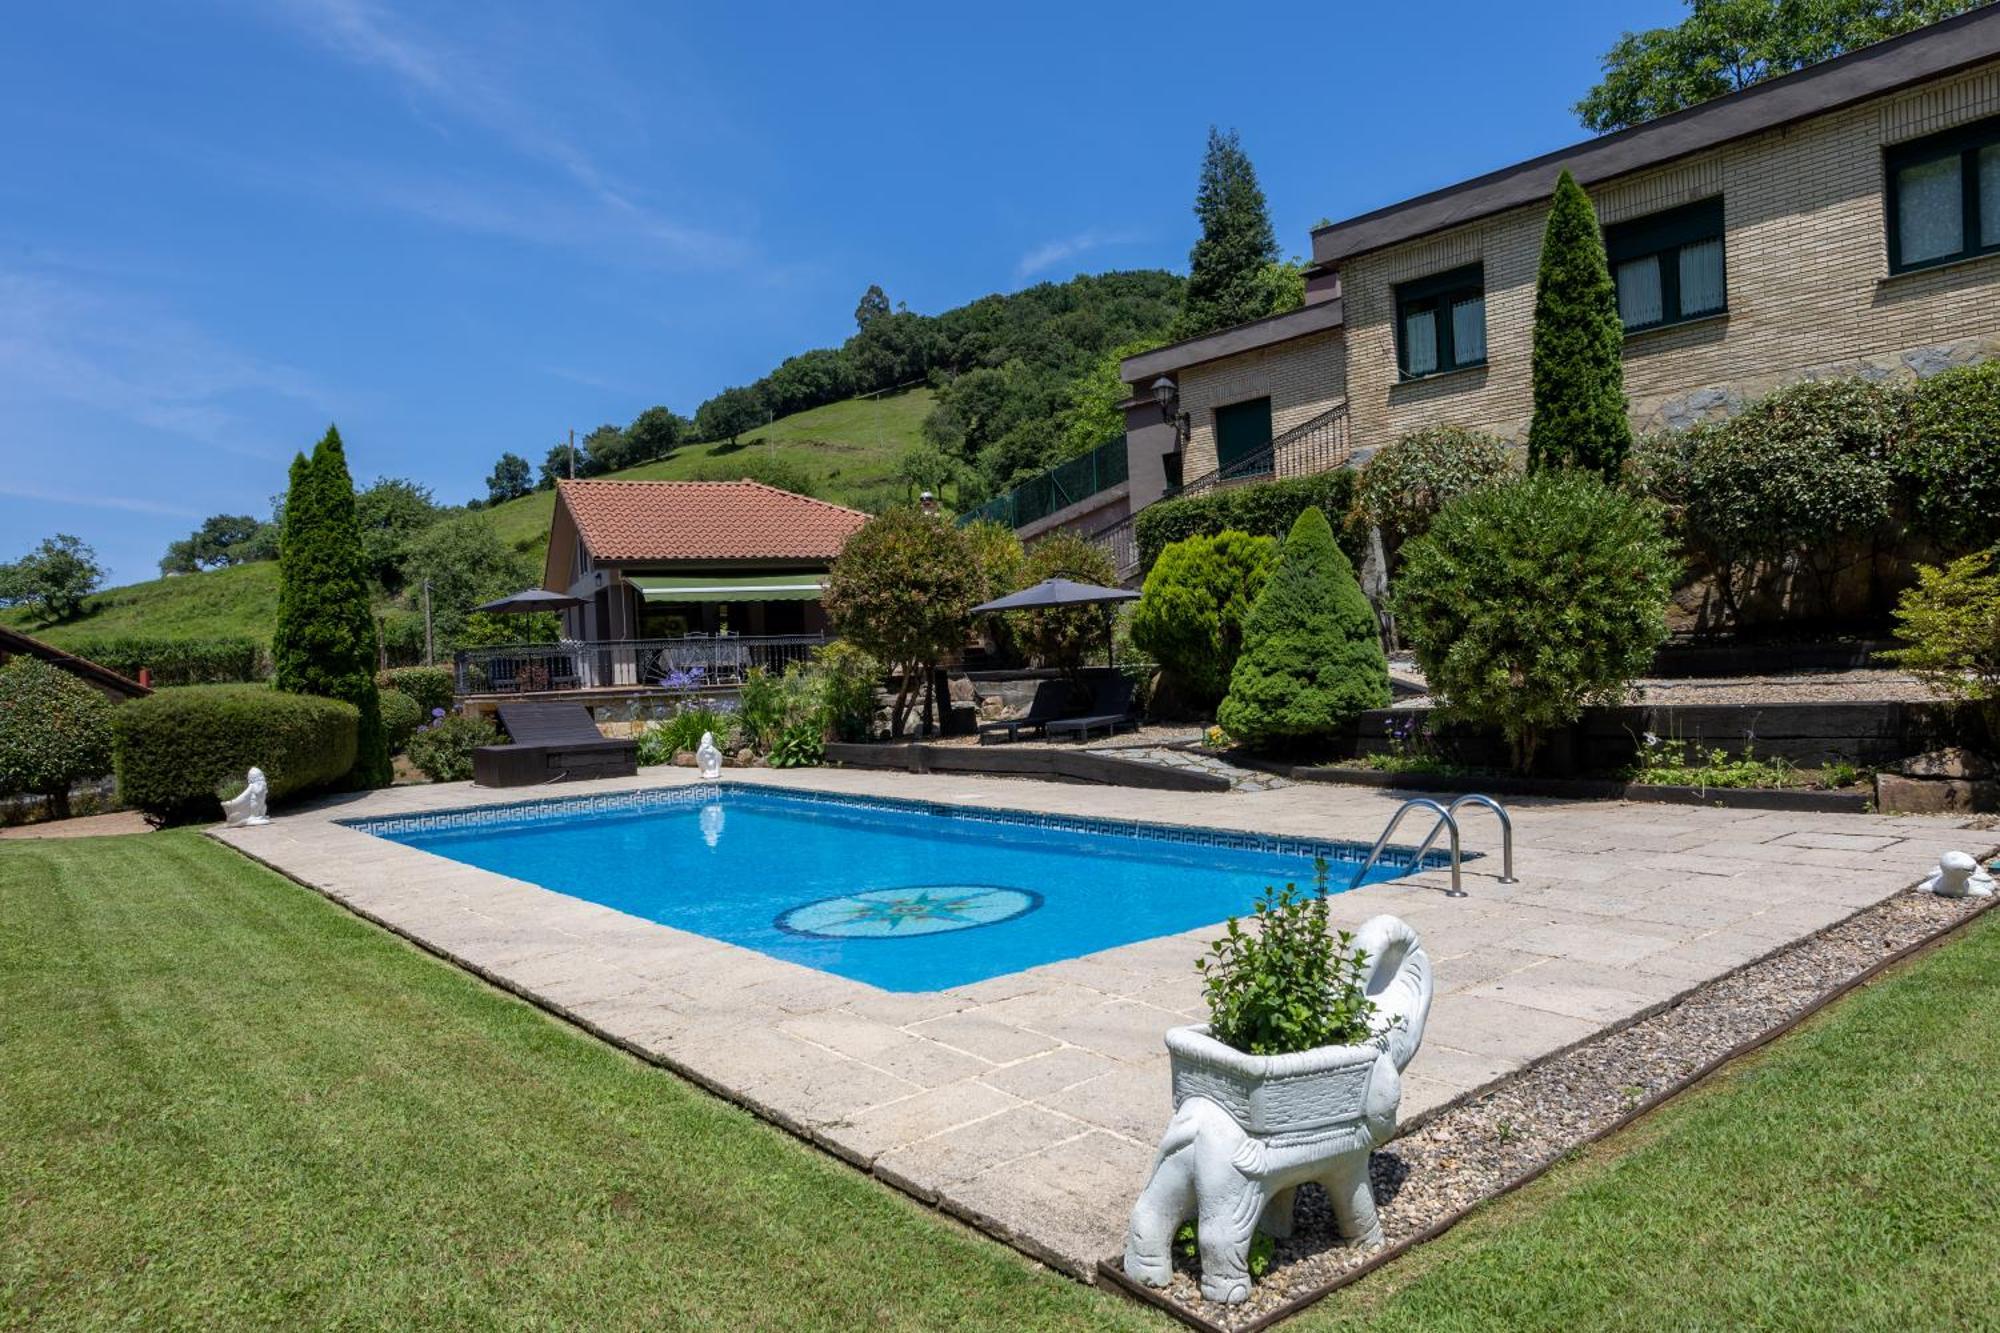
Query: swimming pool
x,y
902,895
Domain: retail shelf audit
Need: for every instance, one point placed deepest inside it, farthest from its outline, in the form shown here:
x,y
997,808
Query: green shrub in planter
x,y
1401,489
1529,600
176,748
1950,453
1190,615
401,716
55,731
442,749
1312,654
431,687
659,743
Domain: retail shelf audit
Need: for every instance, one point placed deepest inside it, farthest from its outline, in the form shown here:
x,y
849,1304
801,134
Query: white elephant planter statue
x,y
1249,1129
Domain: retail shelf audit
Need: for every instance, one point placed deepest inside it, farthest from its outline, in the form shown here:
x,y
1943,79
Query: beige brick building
x,y
1844,220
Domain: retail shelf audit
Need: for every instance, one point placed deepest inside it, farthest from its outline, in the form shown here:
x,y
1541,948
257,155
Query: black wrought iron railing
x,y
1318,445
691,663
1058,488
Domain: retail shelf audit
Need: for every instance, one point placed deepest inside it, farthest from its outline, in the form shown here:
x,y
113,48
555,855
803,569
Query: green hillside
x,y
849,449
241,600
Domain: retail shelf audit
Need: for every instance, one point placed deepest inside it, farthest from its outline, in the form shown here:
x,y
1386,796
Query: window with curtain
x,y
1668,266
1441,322
1944,196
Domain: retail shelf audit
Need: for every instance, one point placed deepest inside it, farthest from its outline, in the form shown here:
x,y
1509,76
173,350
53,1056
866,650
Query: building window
x,y
1243,439
1668,266
1441,322
1944,196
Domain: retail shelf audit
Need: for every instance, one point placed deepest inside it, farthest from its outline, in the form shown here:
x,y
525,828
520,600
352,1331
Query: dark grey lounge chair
x,y
551,742
1110,709
1050,702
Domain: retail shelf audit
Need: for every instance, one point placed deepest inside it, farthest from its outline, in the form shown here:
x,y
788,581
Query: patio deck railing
x,y
693,662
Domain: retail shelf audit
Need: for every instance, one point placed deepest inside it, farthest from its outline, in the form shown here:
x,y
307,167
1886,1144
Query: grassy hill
x,y
849,449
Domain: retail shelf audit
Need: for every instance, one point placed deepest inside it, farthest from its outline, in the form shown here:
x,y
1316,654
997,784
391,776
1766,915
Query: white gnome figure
x,y
247,808
1959,876
708,757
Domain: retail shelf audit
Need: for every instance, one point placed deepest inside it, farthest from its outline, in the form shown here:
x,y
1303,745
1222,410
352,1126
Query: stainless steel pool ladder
x,y
1447,821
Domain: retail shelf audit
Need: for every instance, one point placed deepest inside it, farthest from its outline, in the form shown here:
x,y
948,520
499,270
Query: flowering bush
x,y
442,748
659,743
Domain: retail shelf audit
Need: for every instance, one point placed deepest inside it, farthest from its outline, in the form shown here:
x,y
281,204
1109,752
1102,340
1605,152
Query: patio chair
x,y
1050,702
1110,709
551,742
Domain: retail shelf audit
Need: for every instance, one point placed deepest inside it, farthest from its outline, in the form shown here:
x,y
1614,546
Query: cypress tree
x,y
1579,368
1227,269
325,639
1312,657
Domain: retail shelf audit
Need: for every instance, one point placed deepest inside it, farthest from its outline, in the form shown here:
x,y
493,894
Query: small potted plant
x,y
1296,1076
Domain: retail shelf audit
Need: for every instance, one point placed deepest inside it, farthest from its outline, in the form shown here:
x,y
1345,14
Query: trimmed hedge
x,y
172,751
431,687
401,716
55,731
1950,455
217,661
1263,509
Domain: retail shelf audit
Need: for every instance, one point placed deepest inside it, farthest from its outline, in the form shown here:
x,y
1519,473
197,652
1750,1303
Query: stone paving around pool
x,y
1029,1104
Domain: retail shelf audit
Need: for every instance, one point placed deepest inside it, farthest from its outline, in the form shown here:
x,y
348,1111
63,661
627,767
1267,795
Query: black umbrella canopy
x,y
529,601
1056,592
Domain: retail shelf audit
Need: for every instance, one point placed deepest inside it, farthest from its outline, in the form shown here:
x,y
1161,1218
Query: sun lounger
x,y
1050,702
1110,709
551,742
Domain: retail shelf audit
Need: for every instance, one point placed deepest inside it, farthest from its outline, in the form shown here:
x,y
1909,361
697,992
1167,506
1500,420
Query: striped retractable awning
x,y
732,588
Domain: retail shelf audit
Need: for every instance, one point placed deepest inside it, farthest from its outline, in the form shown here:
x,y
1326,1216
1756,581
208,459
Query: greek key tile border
x,y
673,798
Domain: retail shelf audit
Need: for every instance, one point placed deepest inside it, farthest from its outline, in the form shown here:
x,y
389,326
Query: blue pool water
x,y
906,896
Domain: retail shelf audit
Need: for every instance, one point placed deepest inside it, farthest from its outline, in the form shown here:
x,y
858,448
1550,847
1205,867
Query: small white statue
x,y
247,807
1959,876
1248,1130
708,757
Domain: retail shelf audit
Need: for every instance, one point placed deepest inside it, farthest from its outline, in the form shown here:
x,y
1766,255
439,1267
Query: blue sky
x,y
457,229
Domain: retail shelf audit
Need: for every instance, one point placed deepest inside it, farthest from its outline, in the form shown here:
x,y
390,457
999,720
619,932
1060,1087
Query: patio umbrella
x,y
1063,592
529,601
1055,592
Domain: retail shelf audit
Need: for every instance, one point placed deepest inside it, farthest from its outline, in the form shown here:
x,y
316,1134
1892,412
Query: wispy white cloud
x,y
1051,253
95,500
117,354
443,79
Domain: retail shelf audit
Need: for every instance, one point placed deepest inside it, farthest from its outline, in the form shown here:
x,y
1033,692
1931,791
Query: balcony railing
x,y
1318,445
1058,488
691,663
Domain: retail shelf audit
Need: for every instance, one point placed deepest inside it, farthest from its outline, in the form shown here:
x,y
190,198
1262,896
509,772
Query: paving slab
x,y
1029,1104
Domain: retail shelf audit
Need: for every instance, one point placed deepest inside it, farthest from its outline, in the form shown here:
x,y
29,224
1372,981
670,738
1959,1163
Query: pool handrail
x,y
1445,821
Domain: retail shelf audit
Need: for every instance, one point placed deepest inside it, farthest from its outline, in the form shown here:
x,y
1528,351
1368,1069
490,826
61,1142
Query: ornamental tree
x,y
324,643
1529,600
1579,345
903,592
55,731
1229,279
1062,636
1191,613
1312,653
1401,489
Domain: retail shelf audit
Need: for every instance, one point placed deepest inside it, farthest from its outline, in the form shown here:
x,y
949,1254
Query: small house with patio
x,y
674,584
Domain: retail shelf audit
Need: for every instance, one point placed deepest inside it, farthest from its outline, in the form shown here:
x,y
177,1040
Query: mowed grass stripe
x,y
229,1102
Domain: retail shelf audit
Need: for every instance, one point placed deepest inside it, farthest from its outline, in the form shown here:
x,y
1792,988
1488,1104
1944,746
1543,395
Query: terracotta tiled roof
x,y
14,643
705,520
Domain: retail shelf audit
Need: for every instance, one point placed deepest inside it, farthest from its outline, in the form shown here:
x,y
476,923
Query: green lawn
x,y
226,1102
850,450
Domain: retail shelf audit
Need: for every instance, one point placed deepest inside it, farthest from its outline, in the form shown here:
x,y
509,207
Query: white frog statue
x,y
247,808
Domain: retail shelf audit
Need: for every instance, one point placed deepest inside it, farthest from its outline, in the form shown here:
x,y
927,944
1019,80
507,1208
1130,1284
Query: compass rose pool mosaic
x,y
902,895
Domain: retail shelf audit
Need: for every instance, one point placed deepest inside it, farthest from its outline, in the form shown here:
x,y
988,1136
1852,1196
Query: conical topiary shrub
x,y
1312,658
325,638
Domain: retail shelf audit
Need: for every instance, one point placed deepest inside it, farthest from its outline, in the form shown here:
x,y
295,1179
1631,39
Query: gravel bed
x,y
1865,685
1470,1151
